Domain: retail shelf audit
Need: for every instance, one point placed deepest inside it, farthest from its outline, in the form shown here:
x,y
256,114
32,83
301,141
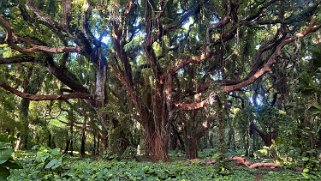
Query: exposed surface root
x,y
242,161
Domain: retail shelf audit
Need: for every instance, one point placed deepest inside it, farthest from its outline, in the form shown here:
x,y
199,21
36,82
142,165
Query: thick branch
x,y
260,10
72,32
75,95
65,76
219,24
260,72
62,74
44,17
204,55
129,88
11,37
37,48
17,59
183,18
190,60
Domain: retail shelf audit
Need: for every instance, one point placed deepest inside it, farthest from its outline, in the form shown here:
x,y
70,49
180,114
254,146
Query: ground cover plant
x,y
42,165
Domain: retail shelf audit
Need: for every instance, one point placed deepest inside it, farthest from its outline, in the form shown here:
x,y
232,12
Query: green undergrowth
x,y
42,164
90,169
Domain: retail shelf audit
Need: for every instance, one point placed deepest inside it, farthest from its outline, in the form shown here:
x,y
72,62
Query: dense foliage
x,y
6,160
37,167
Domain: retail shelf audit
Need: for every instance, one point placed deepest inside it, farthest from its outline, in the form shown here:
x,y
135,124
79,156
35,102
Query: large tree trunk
x,y
156,141
156,144
157,127
156,132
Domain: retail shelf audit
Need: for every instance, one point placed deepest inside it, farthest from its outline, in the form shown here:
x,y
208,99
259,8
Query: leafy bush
x,y
42,163
6,160
312,166
129,153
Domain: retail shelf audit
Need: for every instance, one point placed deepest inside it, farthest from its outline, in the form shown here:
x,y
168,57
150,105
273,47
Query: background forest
x,y
91,86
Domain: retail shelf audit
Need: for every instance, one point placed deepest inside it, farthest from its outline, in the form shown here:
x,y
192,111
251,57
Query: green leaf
x,y
4,145
55,151
5,155
4,173
281,112
4,138
263,152
12,164
315,109
306,170
308,91
52,164
306,176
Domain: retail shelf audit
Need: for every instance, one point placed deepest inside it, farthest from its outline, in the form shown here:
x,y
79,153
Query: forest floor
x,y
131,170
50,166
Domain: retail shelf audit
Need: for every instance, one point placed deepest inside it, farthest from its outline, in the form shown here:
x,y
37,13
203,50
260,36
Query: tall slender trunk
x,y
95,143
173,141
319,139
98,144
175,136
221,127
247,142
51,143
83,138
67,145
24,109
192,147
31,85
72,135
191,135
101,99
105,138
